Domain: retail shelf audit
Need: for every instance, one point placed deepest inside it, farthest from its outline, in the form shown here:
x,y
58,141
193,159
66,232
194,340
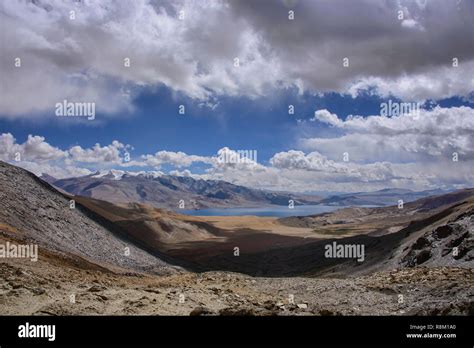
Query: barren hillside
x,y
34,212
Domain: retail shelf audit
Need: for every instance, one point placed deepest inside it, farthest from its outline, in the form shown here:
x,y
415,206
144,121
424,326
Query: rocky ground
x,y
45,287
456,239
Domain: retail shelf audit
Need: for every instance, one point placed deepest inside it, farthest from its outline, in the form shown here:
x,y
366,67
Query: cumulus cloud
x,y
413,150
314,161
178,159
56,171
185,173
98,154
345,171
409,56
83,59
292,170
191,46
37,155
326,117
33,149
424,136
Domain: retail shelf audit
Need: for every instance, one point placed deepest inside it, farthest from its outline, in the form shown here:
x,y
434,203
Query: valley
x,y
135,258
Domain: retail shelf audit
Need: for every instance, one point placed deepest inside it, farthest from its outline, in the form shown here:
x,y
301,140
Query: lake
x,y
277,211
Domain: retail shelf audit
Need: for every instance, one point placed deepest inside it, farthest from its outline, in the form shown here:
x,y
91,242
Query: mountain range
x,y
388,196
173,192
181,192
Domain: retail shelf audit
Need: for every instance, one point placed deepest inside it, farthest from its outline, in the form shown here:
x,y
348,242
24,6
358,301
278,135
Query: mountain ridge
x,y
184,192
168,191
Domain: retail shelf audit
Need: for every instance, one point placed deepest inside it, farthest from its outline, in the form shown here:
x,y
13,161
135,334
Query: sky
x,y
336,96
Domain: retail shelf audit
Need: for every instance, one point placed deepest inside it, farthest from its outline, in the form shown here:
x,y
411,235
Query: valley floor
x,y
45,288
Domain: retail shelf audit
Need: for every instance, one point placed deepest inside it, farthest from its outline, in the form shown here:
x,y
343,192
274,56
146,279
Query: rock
x,y
200,311
292,307
38,291
421,243
154,291
270,305
423,256
96,288
443,231
302,305
215,290
102,297
15,285
237,312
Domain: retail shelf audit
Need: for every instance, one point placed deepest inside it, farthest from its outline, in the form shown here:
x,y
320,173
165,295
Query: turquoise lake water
x,y
277,211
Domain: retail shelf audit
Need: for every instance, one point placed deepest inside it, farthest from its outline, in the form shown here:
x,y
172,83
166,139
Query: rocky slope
x,y
34,212
424,232
448,244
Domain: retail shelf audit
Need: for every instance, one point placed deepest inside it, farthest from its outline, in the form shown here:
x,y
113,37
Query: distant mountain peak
x,y
48,178
116,174
147,174
109,174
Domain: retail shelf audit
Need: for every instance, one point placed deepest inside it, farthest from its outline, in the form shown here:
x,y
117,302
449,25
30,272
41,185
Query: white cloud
x,y
178,159
98,154
8,147
427,136
326,117
314,161
185,173
33,149
56,171
376,159
412,24
36,154
82,60
345,171
443,82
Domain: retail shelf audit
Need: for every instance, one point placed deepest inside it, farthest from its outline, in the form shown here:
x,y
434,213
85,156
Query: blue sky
x,y
396,52
263,124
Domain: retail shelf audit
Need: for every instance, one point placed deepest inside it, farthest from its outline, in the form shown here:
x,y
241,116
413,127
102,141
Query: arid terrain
x,y
45,288
105,258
